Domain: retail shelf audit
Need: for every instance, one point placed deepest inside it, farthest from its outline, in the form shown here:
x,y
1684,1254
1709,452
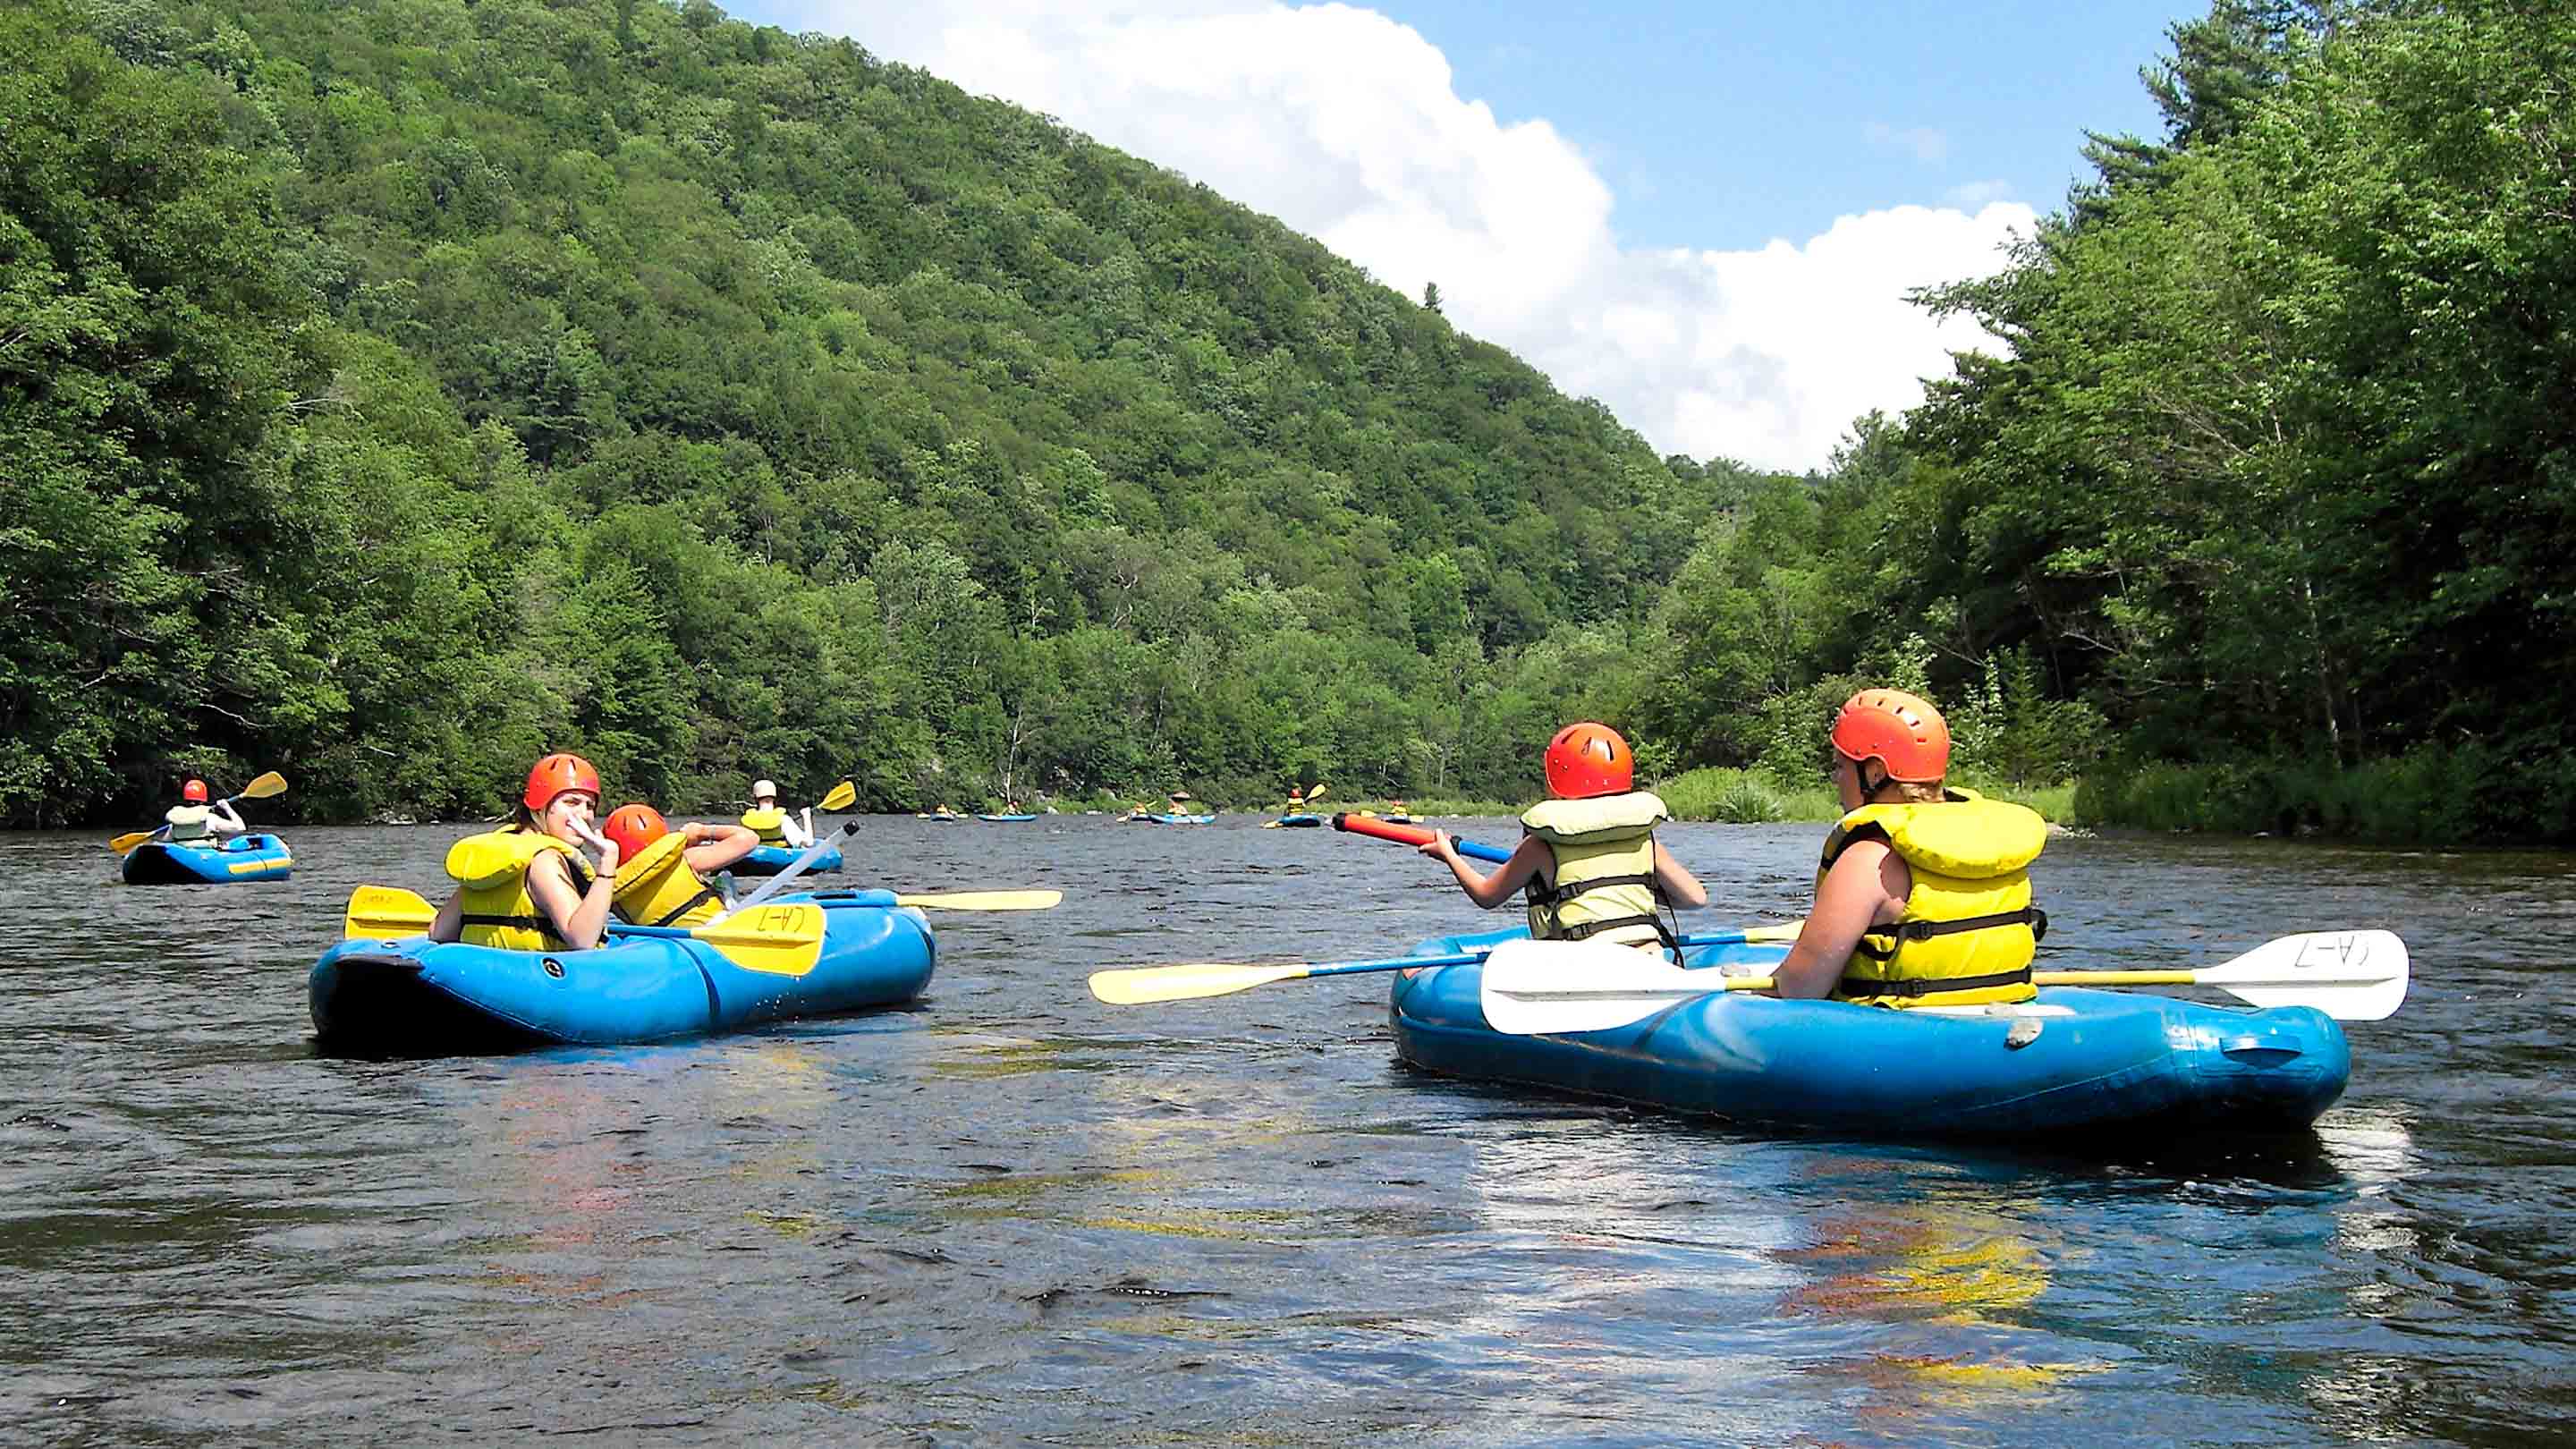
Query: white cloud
x,y
1347,126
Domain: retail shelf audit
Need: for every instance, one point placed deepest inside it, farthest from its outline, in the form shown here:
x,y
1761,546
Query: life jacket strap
x,y
1921,986
1551,895
1903,931
704,895
1589,929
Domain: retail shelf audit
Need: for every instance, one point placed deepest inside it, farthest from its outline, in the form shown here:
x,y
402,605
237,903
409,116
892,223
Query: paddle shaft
x,y
795,868
1415,835
1470,958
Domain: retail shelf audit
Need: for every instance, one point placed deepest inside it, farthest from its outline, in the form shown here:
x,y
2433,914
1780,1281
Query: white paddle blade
x,y
2348,975
1541,988
1137,985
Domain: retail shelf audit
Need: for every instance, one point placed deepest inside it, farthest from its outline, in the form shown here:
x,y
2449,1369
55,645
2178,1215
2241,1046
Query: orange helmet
x,y
194,791
634,827
1589,759
556,774
1902,731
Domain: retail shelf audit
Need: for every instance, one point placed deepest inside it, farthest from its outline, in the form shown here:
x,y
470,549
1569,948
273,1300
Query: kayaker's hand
x,y
696,832
1438,847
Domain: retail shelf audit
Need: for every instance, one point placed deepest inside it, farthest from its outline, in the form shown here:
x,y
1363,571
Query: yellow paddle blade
x,y
386,913
1315,794
129,840
1136,985
985,900
840,797
784,938
266,785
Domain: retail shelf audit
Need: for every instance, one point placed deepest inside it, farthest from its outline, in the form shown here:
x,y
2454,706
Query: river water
x,y
1016,1216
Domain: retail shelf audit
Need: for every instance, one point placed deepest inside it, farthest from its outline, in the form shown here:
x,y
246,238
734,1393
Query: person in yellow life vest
x,y
1923,895
770,825
1588,858
662,880
193,819
526,886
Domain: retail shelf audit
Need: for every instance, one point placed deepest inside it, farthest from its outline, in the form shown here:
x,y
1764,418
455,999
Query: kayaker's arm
x,y
1867,886
449,923
1508,878
224,820
799,833
1679,888
579,917
713,847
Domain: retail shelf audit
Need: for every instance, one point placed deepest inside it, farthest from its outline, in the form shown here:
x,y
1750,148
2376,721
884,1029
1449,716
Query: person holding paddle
x,y
525,886
663,878
1589,859
1923,894
770,825
193,819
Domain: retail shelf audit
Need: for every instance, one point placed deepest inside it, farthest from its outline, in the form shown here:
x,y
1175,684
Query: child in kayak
x,y
770,825
1923,895
193,819
663,878
526,886
1589,858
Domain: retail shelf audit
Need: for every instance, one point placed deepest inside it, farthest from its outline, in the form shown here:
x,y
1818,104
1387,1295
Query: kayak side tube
x,y
411,997
2075,1060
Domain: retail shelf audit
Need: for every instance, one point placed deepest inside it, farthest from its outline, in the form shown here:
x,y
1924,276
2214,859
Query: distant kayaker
x,y
1923,895
526,886
193,819
663,880
1589,859
770,825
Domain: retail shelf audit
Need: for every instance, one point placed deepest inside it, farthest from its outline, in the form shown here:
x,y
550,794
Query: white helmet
x,y
764,789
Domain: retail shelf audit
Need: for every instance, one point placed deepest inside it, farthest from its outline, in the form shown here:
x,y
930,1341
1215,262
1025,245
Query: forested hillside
x,y
411,385
392,389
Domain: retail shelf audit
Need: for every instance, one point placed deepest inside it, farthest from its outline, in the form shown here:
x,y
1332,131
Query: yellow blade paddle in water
x,y
1137,985
785,939
985,900
261,788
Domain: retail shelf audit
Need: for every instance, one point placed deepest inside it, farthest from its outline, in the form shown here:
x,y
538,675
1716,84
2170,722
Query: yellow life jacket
x,y
1602,880
658,887
188,822
769,825
493,869
1969,930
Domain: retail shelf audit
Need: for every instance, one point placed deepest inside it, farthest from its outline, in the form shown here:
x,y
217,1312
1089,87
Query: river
x,y
1013,1215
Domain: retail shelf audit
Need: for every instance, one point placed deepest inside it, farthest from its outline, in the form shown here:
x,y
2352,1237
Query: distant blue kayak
x,y
410,997
771,859
2100,1059
1160,819
1006,819
254,856
1299,822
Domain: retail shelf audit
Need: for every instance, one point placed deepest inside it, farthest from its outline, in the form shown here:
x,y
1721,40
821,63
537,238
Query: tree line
x,y
393,390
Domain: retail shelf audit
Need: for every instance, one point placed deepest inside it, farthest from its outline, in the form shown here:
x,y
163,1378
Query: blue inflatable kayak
x,y
253,856
771,859
409,997
1006,819
1299,821
2099,1060
1161,819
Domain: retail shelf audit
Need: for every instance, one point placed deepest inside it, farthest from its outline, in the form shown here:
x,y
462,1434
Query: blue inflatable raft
x,y
1164,819
1299,821
410,997
1006,819
2100,1060
771,859
253,856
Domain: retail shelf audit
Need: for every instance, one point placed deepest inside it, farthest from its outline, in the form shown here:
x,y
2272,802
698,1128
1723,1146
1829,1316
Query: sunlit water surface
x,y
1014,1215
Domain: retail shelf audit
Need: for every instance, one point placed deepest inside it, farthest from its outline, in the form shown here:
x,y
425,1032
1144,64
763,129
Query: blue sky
x,y
1728,125
1710,217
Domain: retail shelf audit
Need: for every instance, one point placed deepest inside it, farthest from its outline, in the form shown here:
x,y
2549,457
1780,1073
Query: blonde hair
x,y
1917,792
